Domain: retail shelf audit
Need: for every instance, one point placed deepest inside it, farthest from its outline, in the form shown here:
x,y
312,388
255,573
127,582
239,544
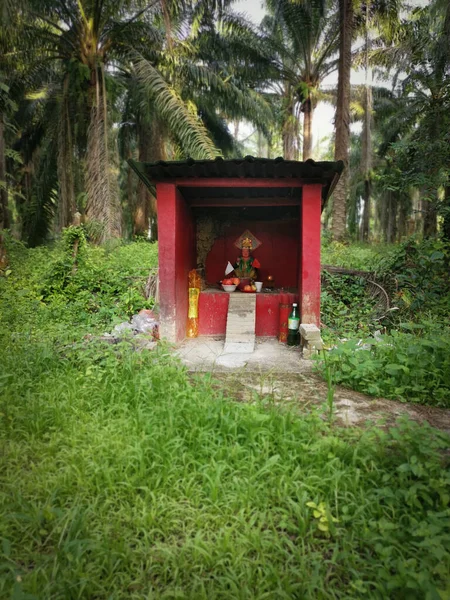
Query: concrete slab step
x,y
241,319
238,348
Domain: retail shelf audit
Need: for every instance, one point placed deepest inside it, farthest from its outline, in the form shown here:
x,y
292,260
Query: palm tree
x,y
419,122
4,211
88,51
7,105
377,13
304,37
89,42
211,72
367,137
342,121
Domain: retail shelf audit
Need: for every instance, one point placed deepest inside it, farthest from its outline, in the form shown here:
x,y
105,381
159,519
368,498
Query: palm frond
x,y
229,98
181,121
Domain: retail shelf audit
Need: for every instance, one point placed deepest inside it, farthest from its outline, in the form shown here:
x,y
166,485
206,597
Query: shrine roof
x,y
248,168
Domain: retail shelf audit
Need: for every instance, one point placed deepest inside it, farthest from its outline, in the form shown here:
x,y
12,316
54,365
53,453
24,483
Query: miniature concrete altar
x,y
279,201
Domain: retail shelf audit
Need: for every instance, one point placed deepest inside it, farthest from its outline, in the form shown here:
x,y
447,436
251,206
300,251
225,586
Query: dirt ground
x,y
304,391
286,379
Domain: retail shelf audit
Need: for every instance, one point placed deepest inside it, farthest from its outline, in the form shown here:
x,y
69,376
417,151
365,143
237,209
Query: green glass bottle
x,y
293,338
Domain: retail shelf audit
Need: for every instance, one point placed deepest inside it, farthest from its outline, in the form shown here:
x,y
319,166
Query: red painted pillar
x,y
176,256
166,203
309,277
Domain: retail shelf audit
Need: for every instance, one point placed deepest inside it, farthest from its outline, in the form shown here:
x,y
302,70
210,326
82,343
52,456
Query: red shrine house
x,y
206,206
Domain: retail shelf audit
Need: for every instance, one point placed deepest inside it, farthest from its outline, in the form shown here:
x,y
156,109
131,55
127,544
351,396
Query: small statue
x,y
246,266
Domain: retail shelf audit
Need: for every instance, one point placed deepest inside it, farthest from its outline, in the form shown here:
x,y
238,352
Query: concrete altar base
x,y
208,354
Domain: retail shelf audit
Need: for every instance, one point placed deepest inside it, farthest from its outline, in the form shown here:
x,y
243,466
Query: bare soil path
x,y
307,390
278,374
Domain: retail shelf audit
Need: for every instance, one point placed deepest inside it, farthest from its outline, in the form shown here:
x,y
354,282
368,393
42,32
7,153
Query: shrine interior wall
x,y
276,227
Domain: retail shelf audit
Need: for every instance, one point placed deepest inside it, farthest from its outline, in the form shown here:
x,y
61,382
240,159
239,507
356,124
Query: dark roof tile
x,y
249,167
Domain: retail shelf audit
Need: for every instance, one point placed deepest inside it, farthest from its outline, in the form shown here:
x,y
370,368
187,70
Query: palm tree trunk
x,y
367,163
403,216
367,140
342,139
307,129
4,212
365,224
289,129
142,206
446,224
65,163
259,141
236,130
383,215
103,206
151,148
391,221
429,218
288,140
353,206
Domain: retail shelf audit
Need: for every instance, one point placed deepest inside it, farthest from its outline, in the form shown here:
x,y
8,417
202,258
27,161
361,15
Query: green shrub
x,y
418,273
347,309
44,291
411,364
363,257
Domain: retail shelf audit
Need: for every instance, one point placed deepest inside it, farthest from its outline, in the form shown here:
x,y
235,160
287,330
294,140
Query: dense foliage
x,y
41,292
410,364
347,308
86,85
402,353
362,257
418,275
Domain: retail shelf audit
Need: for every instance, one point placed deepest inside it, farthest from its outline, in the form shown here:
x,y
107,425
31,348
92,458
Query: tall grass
x,y
121,479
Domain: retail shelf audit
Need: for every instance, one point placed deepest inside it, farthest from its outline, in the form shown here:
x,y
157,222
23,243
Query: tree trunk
x,y
367,143
353,210
446,224
429,218
365,224
383,215
342,137
236,130
151,148
391,218
403,217
66,208
103,205
415,223
260,144
131,190
4,212
289,139
307,128
289,127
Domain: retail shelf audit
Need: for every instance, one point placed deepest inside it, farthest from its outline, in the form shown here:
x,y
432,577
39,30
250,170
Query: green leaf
x,y
183,123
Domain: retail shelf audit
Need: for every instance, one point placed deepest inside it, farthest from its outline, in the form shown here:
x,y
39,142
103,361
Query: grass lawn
x,y
122,479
